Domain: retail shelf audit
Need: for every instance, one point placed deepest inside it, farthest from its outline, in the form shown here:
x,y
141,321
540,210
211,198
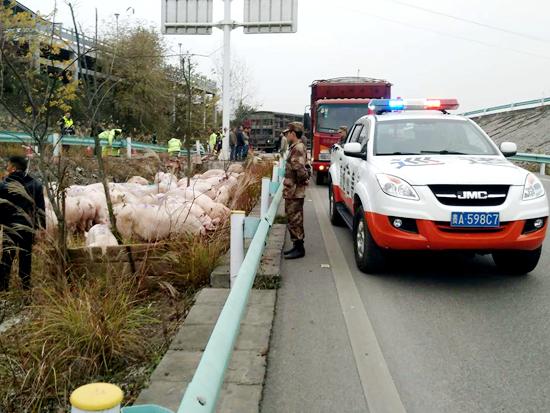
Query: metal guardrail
x,y
510,106
542,160
203,392
531,157
22,138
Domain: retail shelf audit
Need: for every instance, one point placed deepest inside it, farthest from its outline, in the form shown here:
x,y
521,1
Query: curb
x,y
242,389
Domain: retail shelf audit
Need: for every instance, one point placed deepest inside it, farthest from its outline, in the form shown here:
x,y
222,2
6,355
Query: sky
x,y
489,52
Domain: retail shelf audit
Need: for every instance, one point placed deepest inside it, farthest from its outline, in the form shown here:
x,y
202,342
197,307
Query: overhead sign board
x,y
186,16
270,16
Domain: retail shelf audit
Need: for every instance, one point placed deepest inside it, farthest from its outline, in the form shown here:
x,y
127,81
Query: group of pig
x,y
150,212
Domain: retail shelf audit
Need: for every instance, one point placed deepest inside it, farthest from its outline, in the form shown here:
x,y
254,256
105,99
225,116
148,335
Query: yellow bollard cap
x,y
96,397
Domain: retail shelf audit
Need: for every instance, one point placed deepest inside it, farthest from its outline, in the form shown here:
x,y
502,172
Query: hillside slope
x,y
528,128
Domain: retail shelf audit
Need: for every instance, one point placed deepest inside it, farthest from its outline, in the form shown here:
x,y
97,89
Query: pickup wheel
x,y
517,262
370,258
335,217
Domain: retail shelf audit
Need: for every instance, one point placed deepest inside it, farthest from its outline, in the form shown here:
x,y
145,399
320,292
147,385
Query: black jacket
x,y
16,208
240,139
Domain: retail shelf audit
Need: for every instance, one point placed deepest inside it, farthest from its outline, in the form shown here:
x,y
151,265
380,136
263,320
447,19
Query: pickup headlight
x,y
397,187
533,188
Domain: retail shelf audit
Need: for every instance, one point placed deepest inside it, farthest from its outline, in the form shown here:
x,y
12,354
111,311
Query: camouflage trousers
x,y
294,210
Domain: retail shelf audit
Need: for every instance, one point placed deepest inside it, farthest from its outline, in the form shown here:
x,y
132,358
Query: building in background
x,y
266,127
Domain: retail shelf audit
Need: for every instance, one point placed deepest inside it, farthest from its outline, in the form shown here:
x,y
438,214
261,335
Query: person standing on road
x,y
212,138
110,136
283,144
67,125
22,213
246,137
343,132
240,145
297,176
219,142
232,143
174,147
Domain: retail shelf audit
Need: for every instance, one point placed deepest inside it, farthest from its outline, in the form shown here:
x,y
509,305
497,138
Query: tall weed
x,y
78,331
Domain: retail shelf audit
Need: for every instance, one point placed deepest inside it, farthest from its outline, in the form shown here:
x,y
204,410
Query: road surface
x,y
454,334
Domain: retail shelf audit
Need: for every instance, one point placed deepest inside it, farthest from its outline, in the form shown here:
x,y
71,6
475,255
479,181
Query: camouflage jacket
x,y
297,172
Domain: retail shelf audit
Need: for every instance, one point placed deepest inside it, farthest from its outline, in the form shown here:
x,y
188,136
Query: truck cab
x,y
329,116
334,103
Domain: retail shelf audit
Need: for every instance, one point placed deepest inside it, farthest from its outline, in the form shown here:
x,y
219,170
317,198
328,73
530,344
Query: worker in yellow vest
x,y
174,147
212,139
109,136
67,124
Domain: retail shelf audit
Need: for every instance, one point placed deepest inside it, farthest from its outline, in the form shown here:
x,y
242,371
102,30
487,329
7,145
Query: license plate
x,y
324,156
475,219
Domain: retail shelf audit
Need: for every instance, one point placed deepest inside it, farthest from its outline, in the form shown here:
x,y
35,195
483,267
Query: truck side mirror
x,y
307,121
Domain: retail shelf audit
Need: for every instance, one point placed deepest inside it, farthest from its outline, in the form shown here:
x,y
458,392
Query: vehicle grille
x,y
470,195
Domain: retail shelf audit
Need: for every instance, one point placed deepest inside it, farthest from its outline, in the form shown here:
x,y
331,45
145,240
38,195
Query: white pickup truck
x,y
411,176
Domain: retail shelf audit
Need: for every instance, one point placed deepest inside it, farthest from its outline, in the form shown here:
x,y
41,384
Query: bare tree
x,y
95,93
242,87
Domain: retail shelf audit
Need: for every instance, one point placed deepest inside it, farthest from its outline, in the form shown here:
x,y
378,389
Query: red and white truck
x,y
334,103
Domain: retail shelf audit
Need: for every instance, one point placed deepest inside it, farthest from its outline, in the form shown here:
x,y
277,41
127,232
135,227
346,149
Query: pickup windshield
x,y
430,136
331,117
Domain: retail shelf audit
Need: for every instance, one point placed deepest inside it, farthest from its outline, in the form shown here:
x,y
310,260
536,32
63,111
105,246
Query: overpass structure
x,y
87,65
66,40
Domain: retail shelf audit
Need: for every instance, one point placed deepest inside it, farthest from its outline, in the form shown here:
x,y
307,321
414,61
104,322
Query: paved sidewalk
x,y
311,368
245,376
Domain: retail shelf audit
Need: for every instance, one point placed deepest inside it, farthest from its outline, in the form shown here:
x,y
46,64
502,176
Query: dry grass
x,y
192,259
248,191
77,331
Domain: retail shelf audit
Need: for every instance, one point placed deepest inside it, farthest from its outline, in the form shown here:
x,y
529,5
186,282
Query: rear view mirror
x,y
508,149
354,149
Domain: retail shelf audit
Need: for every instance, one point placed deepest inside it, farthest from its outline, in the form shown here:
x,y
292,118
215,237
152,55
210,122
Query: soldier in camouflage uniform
x,y
297,176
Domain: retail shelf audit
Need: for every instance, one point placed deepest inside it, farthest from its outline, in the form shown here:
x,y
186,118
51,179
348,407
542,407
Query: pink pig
x,y
100,236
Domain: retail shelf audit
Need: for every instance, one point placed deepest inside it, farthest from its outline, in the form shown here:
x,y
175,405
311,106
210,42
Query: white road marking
x,y
378,386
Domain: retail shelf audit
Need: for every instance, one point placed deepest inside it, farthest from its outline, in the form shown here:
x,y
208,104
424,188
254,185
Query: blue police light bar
x,y
396,104
390,105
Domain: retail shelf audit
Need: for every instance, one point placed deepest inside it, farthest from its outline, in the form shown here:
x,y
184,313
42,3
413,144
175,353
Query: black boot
x,y
290,251
299,252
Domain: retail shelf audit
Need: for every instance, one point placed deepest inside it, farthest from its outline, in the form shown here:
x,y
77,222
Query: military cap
x,y
294,126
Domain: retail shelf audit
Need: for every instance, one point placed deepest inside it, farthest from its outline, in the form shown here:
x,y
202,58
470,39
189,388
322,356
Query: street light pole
x,y
226,102
198,20
116,17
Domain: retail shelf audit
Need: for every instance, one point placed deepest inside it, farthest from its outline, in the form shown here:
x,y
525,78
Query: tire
x,y
370,258
517,262
319,178
335,217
